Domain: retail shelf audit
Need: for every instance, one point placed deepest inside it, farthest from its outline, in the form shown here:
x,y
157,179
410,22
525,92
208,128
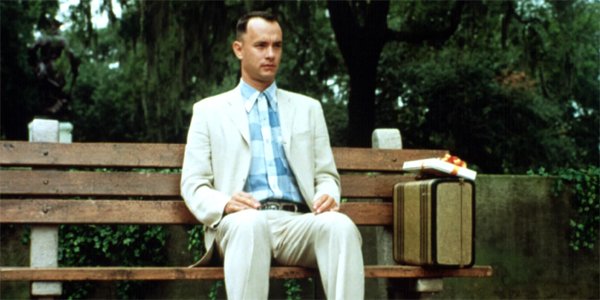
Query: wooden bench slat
x,y
51,211
380,160
400,271
151,155
134,155
216,273
48,182
371,186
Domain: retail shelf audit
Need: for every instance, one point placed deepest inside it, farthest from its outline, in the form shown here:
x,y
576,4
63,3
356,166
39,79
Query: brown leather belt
x,y
271,204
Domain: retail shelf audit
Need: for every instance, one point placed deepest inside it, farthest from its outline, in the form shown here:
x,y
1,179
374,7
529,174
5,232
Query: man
x,y
259,174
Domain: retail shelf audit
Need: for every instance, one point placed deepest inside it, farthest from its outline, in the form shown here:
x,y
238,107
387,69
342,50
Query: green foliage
x,y
103,245
336,116
487,96
133,77
196,241
293,289
515,76
566,61
584,185
463,102
105,102
585,200
26,237
311,63
213,294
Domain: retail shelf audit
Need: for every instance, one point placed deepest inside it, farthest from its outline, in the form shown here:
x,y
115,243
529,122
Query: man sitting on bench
x,y
259,173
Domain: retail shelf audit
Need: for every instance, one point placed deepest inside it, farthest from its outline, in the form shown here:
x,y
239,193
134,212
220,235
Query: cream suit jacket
x,y
217,154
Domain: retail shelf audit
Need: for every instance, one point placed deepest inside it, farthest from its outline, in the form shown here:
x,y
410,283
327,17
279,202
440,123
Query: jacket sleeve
x,y
197,180
327,179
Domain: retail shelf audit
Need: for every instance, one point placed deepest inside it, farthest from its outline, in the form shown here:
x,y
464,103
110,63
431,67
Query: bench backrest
x,y
40,181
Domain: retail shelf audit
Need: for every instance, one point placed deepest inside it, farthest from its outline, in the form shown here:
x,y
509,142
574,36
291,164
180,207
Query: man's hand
x,y
325,203
240,201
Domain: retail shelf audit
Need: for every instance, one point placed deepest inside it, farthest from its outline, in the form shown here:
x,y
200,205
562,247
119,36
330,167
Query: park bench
x,y
41,183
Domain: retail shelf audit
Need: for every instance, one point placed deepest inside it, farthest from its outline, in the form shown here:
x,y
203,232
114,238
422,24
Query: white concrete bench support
x,y
390,138
44,239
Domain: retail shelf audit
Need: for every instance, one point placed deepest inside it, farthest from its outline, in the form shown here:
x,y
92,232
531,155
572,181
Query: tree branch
x,y
417,36
376,16
506,19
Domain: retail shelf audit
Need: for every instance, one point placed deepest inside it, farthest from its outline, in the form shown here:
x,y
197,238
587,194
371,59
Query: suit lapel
x,y
238,115
286,119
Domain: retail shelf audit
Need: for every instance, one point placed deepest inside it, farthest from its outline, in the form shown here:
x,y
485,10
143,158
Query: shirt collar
x,y
250,94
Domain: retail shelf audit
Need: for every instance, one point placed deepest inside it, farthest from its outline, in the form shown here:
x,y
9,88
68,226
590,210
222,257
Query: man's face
x,y
259,52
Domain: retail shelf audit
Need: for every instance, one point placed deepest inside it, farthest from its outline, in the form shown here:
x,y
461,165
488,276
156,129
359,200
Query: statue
x,y
52,62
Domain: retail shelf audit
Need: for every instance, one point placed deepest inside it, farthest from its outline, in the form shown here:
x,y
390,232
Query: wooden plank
x,y
49,211
52,211
134,155
367,159
215,273
150,155
401,271
61,183
369,213
371,185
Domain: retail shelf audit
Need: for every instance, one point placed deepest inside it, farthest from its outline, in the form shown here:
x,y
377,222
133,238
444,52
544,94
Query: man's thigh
x,y
242,225
296,237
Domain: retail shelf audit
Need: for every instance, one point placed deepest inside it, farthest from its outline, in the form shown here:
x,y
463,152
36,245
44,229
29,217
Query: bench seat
x,y
216,273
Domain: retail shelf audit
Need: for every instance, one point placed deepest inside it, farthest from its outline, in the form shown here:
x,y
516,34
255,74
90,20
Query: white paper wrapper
x,y
436,164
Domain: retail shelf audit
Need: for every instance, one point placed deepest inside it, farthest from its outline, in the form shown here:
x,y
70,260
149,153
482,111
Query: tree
x,y
176,53
361,31
487,80
19,95
566,64
429,68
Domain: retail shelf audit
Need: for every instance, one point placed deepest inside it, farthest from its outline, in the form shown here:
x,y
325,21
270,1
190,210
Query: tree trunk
x,y
361,46
361,104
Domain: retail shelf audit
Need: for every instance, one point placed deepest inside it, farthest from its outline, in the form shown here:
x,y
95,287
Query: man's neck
x,y
259,86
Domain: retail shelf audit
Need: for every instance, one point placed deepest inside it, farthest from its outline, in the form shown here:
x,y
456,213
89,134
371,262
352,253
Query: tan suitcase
x,y
434,222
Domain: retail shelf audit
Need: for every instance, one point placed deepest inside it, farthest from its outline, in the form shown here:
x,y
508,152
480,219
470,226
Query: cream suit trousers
x,y
247,240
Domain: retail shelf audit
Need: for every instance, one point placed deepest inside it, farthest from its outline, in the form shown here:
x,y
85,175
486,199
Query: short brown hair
x,y
242,23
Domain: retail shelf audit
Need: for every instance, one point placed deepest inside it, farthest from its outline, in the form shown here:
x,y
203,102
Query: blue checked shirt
x,y
270,174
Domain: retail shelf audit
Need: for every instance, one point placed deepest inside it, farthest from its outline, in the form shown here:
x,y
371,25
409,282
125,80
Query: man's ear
x,y
237,49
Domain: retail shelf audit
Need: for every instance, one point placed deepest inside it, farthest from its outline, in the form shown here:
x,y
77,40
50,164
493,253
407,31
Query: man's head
x,y
258,46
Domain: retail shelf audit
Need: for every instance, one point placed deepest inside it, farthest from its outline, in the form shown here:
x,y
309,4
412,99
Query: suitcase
x,y
434,222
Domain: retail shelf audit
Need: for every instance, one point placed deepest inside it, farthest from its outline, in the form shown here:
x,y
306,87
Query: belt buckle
x,y
291,205
270,206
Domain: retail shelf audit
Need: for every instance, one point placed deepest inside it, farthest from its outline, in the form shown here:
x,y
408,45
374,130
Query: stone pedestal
x,y
44,239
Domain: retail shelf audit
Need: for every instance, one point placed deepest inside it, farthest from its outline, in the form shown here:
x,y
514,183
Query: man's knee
x,y
338,223
247,221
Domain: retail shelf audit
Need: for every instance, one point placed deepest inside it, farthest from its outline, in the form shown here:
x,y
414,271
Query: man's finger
x,y
246,199
325,203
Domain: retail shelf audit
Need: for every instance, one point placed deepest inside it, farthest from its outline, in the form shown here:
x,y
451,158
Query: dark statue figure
x,y
53,63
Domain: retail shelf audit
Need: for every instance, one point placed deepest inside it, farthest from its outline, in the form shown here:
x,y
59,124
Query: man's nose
x,y
270,52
